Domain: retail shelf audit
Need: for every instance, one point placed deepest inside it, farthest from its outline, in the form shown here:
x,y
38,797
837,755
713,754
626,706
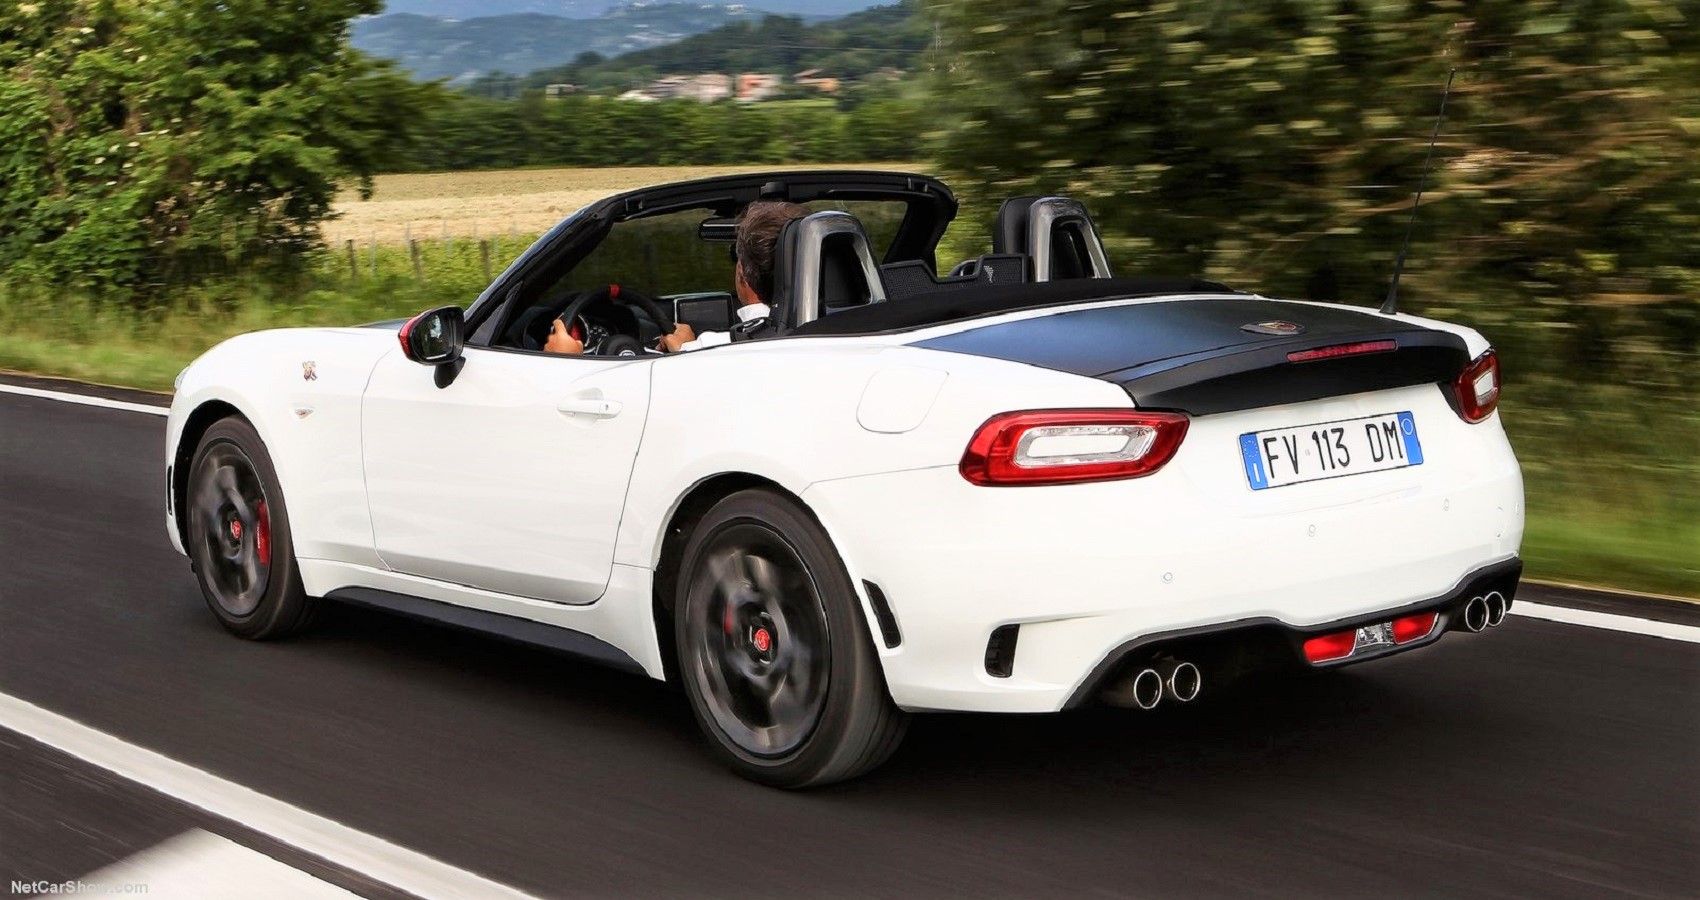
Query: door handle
x,y
589,407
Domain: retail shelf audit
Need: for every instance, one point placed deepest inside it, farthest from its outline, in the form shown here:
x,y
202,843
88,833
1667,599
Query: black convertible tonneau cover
x,y
979,301
1205,355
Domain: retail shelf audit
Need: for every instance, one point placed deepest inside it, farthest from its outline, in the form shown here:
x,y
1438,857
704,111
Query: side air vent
x,y
882,612
1000,651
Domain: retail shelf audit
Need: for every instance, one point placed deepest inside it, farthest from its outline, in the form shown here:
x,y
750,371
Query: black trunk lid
x,y
1220,354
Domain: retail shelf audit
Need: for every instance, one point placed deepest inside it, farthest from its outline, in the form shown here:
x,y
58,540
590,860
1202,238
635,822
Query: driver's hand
x,y
682,335
561,340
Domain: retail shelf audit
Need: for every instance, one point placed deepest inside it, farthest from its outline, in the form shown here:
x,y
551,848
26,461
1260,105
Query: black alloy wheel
x,y
238,535
773,648
762,653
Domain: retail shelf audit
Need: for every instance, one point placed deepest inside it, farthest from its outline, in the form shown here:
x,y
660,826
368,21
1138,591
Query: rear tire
x,y
774,651
239,539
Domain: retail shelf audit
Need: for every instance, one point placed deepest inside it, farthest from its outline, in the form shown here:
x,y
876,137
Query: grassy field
x,y
510,202
1613,478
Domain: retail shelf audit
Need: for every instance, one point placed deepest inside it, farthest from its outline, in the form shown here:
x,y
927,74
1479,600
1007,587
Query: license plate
x,y
1284,456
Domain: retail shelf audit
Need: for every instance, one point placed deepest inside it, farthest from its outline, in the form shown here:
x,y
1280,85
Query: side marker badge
x,y
309,371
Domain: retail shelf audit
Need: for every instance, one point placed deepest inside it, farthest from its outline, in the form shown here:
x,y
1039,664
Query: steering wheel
x,y
613,344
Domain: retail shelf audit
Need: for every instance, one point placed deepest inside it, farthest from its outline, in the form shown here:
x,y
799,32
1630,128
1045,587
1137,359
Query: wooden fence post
x,y
353,260
484,256
418,262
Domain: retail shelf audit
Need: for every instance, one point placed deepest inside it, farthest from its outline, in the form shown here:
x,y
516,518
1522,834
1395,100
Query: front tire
x,y
773,649
239,539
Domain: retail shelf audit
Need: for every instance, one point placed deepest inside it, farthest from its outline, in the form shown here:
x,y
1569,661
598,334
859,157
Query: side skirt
x,y
513,628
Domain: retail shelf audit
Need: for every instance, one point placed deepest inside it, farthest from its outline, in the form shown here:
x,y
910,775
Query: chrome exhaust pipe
x,y
1143,690
1182,681
1476,615
1495,603
1147,689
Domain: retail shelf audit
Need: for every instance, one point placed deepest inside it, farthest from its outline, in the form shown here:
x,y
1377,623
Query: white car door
x,y
512,478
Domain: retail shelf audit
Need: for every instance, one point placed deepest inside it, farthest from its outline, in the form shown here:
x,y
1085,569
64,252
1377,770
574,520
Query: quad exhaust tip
x,y
1476,615
1495,602
1148,689
1170,679
1485,612
1181,680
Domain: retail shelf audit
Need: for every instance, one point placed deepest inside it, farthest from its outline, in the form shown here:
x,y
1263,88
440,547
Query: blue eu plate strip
x,y
1413,447
1254,461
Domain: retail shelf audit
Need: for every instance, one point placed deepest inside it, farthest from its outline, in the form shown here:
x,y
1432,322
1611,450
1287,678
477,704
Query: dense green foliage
x,y
142,142
1276,145
850,47
476,133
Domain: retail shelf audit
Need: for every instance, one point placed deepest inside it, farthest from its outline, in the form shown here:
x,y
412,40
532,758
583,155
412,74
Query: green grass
x,y
1612,474
1612,478
1609,548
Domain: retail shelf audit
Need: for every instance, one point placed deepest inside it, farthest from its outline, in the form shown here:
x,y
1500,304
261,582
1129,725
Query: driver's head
x,y
759,226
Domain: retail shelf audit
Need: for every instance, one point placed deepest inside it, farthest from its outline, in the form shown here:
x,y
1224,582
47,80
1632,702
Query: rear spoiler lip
x,y
1230,379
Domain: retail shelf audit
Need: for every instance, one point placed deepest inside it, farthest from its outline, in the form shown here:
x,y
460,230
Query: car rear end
x,y
1284,482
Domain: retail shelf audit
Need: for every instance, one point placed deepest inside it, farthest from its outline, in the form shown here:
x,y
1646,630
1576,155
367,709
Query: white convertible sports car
x,y
1023,486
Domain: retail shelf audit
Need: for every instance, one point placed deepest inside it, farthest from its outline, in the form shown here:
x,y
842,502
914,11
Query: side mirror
x,y
435,338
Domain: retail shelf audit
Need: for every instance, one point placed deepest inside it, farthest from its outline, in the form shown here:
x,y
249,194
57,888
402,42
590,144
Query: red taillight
x,y
1063,446
1331,646
1411,628
1358,349
1477,388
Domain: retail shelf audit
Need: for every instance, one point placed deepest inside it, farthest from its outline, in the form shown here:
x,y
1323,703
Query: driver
x,y
759,226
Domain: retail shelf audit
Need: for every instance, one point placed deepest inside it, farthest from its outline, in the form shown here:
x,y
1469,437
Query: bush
x,y
145,139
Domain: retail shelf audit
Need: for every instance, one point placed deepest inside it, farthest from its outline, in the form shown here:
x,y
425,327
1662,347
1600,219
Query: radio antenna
x,y
1391,304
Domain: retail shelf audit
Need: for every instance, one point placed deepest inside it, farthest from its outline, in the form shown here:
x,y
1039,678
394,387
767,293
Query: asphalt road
x,y
1538,759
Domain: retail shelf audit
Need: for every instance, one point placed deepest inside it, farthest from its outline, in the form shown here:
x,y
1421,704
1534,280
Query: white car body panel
x,y
484,495
512,479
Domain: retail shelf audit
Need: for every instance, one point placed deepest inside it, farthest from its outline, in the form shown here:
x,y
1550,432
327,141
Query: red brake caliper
x,y
263,535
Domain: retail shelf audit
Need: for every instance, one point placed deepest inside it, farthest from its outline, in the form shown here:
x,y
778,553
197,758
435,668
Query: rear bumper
x,y
1274,637
1086,571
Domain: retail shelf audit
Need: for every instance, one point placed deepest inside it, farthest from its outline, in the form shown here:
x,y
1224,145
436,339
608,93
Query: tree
x,y
1276,145
144,141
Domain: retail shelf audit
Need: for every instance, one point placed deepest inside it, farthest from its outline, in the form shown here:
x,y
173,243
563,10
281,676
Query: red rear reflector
x,y
1412,628
1357,349
1331,646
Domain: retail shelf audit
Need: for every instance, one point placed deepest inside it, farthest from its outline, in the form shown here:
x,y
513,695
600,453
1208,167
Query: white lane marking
x,y
1608,621
378,859
199,864
85,400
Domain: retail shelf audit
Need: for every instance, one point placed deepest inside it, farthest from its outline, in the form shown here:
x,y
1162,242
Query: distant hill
x,y
894,36
471,9
461,50
589,9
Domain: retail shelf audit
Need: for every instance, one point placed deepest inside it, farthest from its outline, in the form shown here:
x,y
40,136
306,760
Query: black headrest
x,y
823,263
1056,233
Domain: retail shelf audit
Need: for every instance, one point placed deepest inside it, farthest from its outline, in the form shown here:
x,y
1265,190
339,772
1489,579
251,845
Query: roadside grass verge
x,y
1612,475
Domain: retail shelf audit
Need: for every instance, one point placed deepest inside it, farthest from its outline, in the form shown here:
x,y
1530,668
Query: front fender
x,y
300,389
